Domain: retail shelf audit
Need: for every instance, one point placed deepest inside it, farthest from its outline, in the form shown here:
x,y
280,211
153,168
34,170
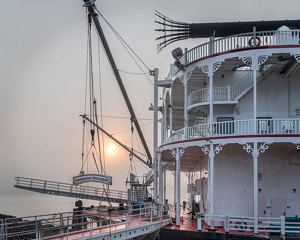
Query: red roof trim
x,y
229,137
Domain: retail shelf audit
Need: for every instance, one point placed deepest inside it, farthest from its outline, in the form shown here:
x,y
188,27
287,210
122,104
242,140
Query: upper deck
x,y
228,68
281,38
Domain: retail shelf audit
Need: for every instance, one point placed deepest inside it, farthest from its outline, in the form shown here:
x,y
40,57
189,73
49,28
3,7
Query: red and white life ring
x,y
251,42
241,226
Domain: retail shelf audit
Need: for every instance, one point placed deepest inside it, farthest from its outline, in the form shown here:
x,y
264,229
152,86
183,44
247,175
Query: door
x,y
278,207
262,207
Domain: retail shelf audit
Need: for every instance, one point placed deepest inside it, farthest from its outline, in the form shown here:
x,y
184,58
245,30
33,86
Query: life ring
x,y
243,226
251,43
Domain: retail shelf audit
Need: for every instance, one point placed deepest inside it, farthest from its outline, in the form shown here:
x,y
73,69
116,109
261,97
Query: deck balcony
x,y
242,41
228,95
264,127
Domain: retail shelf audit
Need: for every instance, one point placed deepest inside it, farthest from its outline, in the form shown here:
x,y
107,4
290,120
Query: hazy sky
x,y
42,75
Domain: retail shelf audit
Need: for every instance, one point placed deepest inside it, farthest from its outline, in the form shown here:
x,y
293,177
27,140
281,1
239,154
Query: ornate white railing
x,y
245,40
238,128
286,226
229,93
240,86
202,95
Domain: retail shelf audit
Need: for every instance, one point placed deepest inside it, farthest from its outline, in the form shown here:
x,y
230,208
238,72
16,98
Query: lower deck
x,y
188,229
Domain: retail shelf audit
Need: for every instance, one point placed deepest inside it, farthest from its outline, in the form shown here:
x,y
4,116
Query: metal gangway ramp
x,y
70,190
90,224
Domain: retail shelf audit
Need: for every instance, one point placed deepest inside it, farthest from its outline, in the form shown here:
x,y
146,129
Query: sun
x,y
111,149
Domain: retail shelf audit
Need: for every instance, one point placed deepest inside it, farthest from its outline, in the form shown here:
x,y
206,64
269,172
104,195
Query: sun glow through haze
x,y
112,149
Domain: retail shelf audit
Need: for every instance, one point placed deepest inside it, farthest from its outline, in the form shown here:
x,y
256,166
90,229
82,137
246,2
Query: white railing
x,y
67,188
286,226
237,128
229,93
245,40
82,223
202,95
240,86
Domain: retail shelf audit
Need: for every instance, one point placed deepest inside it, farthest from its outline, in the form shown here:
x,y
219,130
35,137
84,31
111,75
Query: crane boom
x,y
89,4
114,139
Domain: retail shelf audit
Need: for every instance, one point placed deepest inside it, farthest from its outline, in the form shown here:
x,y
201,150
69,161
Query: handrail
x,y
284,225
84,222
229,93
68,188
266,126
244,40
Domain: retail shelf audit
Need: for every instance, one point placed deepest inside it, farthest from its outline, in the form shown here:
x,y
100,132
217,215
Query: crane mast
x,y
93,16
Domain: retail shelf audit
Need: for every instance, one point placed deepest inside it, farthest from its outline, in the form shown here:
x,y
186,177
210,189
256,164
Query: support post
x,y
155,119
255,187
177,188
282,226
165,184
186,118
254,67
171,113
165,120
177,153
174,191
160,175
211,99
211,182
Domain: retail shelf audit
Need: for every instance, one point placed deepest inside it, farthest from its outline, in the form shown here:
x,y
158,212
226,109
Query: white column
x,y
155,133
171,113
165,120
177,188
186,118
254,67
211,181
165,185
160,175
174,190
211,96
255,187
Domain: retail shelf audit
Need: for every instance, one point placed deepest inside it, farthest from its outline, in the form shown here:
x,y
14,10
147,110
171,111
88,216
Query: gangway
x,y
70,190
92,224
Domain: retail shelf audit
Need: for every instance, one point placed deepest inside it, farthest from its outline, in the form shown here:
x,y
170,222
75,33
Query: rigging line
x,y
91,85
85,160
137,140
98,138
122,39
83,138
95,163
122,117
86,67
124,45
101,107
130,72
126,130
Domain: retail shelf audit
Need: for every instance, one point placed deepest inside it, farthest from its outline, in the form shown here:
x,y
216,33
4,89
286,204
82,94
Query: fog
x,y
42,77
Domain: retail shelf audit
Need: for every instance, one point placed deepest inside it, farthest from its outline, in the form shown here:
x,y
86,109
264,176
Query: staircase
x,y
240,88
